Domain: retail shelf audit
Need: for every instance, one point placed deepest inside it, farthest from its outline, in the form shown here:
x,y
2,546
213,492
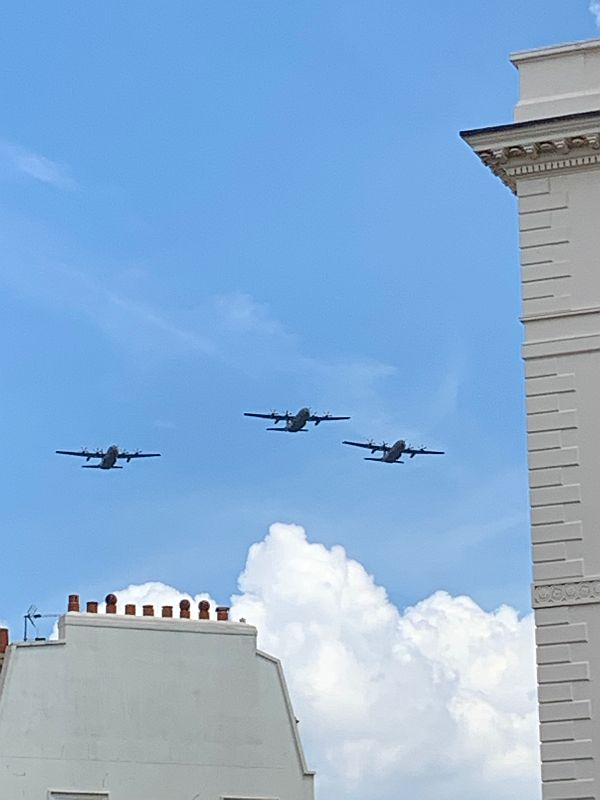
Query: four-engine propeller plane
x,y
294,422
108,458
392,453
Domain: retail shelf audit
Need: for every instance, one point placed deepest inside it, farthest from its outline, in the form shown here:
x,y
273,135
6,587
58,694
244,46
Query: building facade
x,y
550,158
141,707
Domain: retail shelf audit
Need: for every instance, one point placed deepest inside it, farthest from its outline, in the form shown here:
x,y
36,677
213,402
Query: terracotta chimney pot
x,y
204,608
223,613
130,609
73,604
3,639
111,604
148,611
167,611
184,609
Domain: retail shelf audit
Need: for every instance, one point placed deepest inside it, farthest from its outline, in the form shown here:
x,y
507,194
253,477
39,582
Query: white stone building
x,y
128,707
550,158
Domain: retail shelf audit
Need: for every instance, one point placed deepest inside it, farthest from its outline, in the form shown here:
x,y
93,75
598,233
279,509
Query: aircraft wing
x,y
421,451
369,446
82,453
273,415
129,456
324,418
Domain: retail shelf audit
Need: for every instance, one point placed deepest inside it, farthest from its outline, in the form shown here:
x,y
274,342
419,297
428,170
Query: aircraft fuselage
x,y
298,421
395,453
110,457
295,423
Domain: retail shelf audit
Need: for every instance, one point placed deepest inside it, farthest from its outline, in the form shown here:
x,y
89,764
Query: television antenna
x,y
29,619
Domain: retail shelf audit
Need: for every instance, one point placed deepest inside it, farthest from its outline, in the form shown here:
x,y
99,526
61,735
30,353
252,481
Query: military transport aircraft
x,y
108,459
392,453
294,422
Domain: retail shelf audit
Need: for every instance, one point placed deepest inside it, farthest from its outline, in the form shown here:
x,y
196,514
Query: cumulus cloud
x,y
157,594
433,700
35,165
595,9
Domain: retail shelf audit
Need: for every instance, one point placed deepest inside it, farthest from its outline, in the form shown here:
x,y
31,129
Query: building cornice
x,y
537,147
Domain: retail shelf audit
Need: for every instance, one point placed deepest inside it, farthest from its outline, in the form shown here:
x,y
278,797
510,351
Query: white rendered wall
x,y
148,709
551,160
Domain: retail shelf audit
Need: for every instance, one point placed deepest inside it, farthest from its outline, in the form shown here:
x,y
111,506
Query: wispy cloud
x,y
36,166
131,323
253,340
595,9
234,329
164,424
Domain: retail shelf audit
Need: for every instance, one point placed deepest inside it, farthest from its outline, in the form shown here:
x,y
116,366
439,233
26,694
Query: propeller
x,y
323,416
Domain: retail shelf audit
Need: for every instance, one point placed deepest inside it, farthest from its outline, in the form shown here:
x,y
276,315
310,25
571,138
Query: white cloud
x,y
35,165
433,700
157,594
595,9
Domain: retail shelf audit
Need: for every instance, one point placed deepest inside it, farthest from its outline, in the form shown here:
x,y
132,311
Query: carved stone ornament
x,y
515,161
567,594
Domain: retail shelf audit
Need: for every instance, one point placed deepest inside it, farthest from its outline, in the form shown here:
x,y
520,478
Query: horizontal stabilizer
x,y
286,430
98,466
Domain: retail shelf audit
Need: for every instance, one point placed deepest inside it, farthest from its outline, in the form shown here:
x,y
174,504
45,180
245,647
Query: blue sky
x,y
208,208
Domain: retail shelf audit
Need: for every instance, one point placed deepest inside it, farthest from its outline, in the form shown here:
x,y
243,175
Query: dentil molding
x,y
537,147
548,155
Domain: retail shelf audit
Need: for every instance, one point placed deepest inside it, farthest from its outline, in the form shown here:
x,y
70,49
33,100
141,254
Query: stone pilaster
x,y
552,164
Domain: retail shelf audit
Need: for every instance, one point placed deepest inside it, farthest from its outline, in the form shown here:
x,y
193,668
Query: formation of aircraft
x,y
108,458
294,422
392,453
